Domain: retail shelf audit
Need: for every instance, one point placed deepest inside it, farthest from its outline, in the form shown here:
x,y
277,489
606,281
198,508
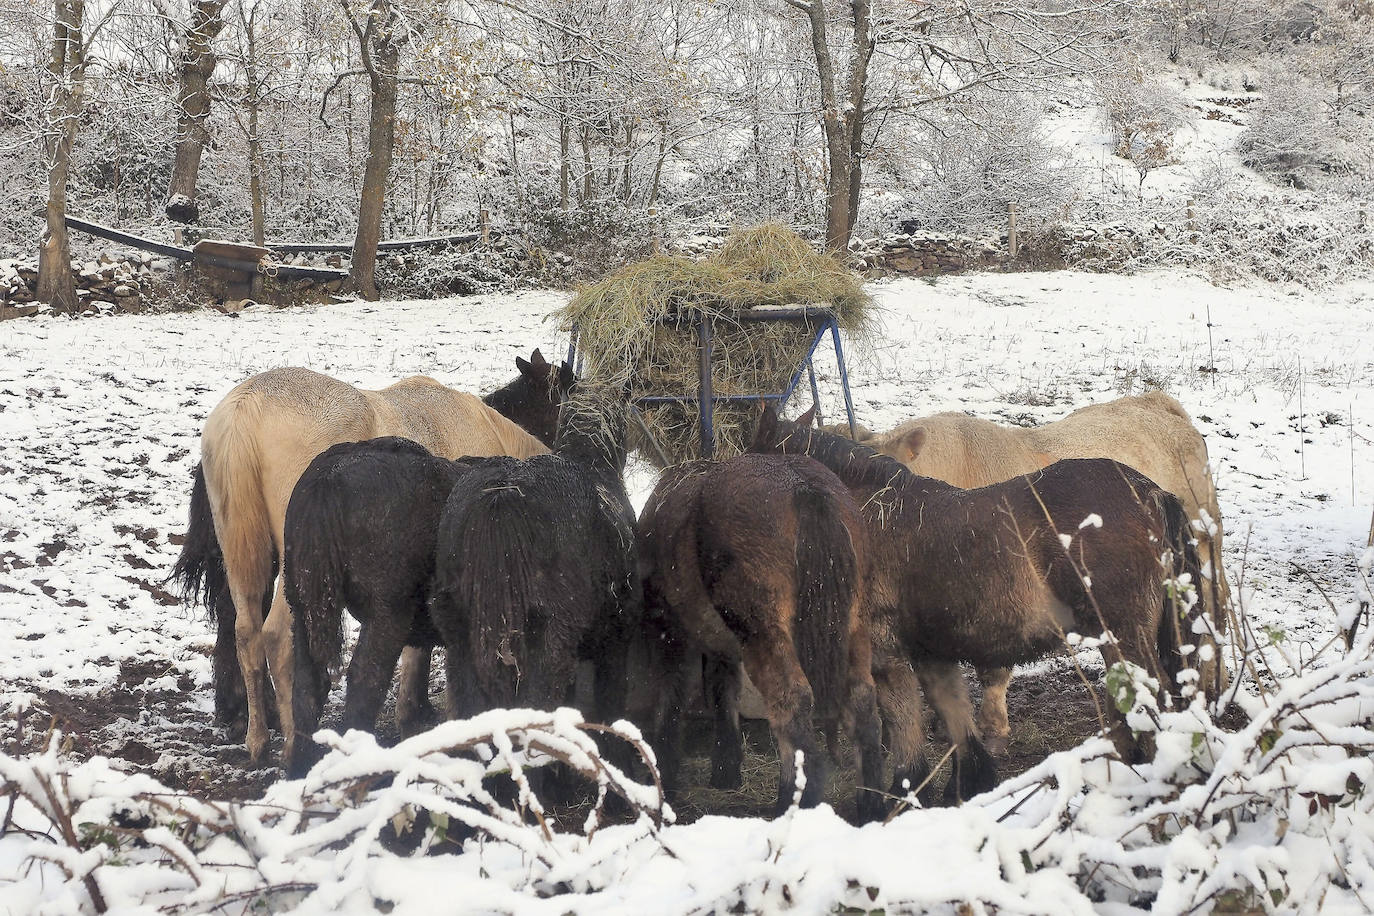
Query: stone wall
x,y
109,283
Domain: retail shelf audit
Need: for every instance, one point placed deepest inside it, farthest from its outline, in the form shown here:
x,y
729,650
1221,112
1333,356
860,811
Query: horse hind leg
x,y
772,665
276,647
903,712
721,680
380,642
414,711
993,720
974,769
865,731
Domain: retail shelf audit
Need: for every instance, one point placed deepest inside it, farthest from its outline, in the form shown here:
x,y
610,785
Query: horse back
x,y
1151,433
959,449
449,423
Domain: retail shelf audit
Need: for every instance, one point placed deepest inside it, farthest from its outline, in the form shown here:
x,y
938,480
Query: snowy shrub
x,y
1289,134
112,840
1143,114
1267,809
600,235
976,160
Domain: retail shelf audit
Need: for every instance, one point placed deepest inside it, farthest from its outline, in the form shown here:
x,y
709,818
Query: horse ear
x,y
807,419
537,359
524,366
911,444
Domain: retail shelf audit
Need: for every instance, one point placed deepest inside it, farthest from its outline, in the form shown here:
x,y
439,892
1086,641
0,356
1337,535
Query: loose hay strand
x,y
628,330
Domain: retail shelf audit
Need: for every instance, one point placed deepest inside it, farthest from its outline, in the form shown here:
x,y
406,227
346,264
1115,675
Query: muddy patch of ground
x,y
156,721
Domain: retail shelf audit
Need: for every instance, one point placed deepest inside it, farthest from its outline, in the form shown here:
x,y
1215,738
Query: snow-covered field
x,y
99,424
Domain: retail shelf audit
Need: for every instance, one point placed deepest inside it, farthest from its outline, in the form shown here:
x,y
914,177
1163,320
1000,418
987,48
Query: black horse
x,y
535,569
360,533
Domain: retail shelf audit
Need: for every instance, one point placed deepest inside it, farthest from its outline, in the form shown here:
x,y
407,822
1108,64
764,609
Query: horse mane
x,y
856,464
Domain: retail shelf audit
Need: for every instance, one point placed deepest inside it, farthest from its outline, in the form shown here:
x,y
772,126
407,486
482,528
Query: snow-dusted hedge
x,y
1268,810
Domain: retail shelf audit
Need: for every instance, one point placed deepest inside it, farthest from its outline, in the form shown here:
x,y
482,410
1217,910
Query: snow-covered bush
x,y
1142,112
1269,808
969,163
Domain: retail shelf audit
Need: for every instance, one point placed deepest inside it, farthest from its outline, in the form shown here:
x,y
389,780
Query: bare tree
x,y
62,111
196,66
843,88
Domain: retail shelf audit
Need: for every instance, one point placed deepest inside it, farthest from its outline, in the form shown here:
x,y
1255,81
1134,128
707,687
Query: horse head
x,y
777,435
533,399
592,426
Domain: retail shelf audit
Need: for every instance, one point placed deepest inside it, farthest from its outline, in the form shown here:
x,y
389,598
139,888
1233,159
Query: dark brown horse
x,y
360,533
996,576
762,560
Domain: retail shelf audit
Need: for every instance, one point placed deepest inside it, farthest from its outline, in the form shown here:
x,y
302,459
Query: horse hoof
x,y
997,745
300,756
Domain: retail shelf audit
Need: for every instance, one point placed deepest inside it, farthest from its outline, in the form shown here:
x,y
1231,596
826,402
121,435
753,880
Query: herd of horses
x,y
843,581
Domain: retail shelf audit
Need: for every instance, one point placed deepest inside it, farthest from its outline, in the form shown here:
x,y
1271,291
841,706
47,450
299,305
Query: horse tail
x,y
827,573
315,569
230,457
1175,623
198,574
498,573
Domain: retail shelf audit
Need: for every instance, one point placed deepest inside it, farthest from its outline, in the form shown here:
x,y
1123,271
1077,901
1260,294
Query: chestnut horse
x,y
762,561
996,576
255,445
1150,432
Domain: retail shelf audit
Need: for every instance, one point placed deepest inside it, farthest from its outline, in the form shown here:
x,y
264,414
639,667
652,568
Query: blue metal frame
x,y
706,399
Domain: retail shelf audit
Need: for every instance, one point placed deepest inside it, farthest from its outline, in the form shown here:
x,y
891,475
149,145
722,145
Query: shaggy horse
x,y
1150,432
255,445
996,577
360,532
763,560
535,569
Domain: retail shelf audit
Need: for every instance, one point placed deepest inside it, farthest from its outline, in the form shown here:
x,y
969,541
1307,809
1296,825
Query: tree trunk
x,y
67,69
193,101
564,142
381,56
255,190
842,119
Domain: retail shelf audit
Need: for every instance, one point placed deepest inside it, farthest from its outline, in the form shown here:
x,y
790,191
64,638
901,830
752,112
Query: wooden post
x,y
657,242
178,235
484,224
706,401
1012,244
1192,221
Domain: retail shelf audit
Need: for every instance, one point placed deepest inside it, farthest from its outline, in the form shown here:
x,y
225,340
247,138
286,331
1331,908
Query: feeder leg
x,y
815,392
844,377
796,376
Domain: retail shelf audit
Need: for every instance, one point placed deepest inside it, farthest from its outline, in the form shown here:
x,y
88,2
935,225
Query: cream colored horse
x,y
255,446
1150,432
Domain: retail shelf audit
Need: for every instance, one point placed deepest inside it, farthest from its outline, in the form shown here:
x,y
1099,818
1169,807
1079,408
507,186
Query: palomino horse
x,y
763,560
534,569
1150,432
996,576
255,445
360,532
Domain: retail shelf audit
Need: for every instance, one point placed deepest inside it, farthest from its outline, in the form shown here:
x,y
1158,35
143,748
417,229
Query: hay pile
x,y
627,332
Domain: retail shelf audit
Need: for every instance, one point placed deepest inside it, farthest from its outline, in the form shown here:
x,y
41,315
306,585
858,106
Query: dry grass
x,y
637,325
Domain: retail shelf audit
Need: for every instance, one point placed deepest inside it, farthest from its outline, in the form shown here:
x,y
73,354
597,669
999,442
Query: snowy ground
x,y
100,423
